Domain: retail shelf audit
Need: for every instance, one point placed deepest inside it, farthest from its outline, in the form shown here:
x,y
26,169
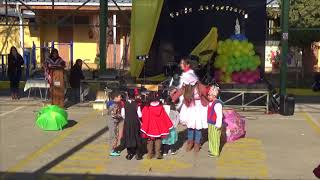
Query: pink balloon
x,y
248,73
235,77
243,79
258,75
251,81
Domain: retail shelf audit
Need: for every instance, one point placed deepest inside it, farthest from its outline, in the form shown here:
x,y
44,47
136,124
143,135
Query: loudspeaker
x,y
287,105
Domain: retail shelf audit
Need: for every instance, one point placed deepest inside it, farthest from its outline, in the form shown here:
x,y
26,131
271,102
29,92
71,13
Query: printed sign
x,y
57,83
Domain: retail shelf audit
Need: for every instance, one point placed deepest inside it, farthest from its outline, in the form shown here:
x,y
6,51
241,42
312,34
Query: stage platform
x,y
245,96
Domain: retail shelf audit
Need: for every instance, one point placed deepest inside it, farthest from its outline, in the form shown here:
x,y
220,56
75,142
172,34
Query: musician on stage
x,y
193,112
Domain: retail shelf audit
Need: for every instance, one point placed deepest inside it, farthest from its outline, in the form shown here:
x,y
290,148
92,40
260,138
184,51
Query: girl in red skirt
x,y
156,125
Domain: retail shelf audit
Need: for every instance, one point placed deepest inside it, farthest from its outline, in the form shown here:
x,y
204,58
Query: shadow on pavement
x,y
48,176
64,156
70,124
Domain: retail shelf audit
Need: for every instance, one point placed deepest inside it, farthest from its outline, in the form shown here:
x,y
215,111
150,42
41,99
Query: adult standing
x,y
15,61
76,75
193,112
53,61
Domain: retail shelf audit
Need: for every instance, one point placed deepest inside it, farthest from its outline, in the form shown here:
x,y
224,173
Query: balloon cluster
x,y
236,57
52,118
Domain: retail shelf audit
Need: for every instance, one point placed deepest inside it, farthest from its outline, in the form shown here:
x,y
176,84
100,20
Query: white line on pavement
x,y
8,112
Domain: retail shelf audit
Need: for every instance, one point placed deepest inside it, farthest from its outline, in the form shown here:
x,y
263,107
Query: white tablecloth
x,y
36,83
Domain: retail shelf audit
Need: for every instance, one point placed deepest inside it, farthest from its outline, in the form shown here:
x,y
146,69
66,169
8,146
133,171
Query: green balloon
x,y
229,69
252,66
237,53
258,62
237,68
250,46
236,43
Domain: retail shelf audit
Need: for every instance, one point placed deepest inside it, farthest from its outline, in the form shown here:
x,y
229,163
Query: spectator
x,y
76,75
15,61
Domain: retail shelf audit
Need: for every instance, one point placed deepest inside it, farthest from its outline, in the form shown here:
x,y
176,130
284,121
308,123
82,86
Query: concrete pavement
x,y
276,147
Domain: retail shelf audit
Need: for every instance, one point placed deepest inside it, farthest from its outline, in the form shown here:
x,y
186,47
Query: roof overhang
x,y
91,6
31,3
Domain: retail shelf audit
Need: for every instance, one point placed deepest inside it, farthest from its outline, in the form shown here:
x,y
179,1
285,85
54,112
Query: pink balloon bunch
x,y
246,77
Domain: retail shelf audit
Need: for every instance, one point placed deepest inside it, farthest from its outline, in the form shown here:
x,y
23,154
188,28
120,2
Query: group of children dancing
x,y
153,124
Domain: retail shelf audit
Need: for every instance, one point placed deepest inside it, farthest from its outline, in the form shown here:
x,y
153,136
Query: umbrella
x,y
55,108
52,118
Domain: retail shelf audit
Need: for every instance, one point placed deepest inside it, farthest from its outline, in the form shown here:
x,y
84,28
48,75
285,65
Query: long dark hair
x,y
54,50
11,49
152,97
131,94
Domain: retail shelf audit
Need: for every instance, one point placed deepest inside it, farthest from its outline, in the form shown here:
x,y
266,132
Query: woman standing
x,y
54,60
193,112
15,61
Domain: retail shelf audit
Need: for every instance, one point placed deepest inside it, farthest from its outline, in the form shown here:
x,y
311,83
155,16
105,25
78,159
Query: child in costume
x,y
131,129
215,115
172,138
114,112
156,125
194,109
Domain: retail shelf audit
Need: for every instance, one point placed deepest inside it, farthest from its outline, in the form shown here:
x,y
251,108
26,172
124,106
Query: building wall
x,y
10,36
85,37
85,47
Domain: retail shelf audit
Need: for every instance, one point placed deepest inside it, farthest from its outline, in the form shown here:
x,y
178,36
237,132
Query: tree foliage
x,y
304,14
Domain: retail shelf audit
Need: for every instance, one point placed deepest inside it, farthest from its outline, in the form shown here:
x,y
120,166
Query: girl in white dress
x,y
194,109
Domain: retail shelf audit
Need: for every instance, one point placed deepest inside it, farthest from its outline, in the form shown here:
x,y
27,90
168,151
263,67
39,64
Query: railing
x,y
4,66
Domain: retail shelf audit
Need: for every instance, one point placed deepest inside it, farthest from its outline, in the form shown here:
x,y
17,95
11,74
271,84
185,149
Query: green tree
x,y
305,14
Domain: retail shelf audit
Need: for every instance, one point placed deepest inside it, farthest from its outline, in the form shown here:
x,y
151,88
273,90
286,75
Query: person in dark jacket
x,y
15,61
76,75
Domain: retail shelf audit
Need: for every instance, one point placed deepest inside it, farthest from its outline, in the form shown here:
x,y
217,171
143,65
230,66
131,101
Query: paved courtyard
x,y
275,147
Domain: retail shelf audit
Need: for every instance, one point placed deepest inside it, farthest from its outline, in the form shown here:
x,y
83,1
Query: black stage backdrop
x,y
176,37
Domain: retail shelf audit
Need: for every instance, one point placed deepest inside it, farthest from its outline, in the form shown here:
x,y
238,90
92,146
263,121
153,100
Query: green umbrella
x,y
54,108
51,121
52,118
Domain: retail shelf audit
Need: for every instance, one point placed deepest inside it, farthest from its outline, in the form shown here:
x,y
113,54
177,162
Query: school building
x,y
71,26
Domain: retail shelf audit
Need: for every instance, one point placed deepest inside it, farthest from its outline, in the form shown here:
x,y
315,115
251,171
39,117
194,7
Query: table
x,y
94,81
263,93
37,84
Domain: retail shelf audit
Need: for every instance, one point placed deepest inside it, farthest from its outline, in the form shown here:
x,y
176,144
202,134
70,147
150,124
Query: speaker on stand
x,y
143,58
